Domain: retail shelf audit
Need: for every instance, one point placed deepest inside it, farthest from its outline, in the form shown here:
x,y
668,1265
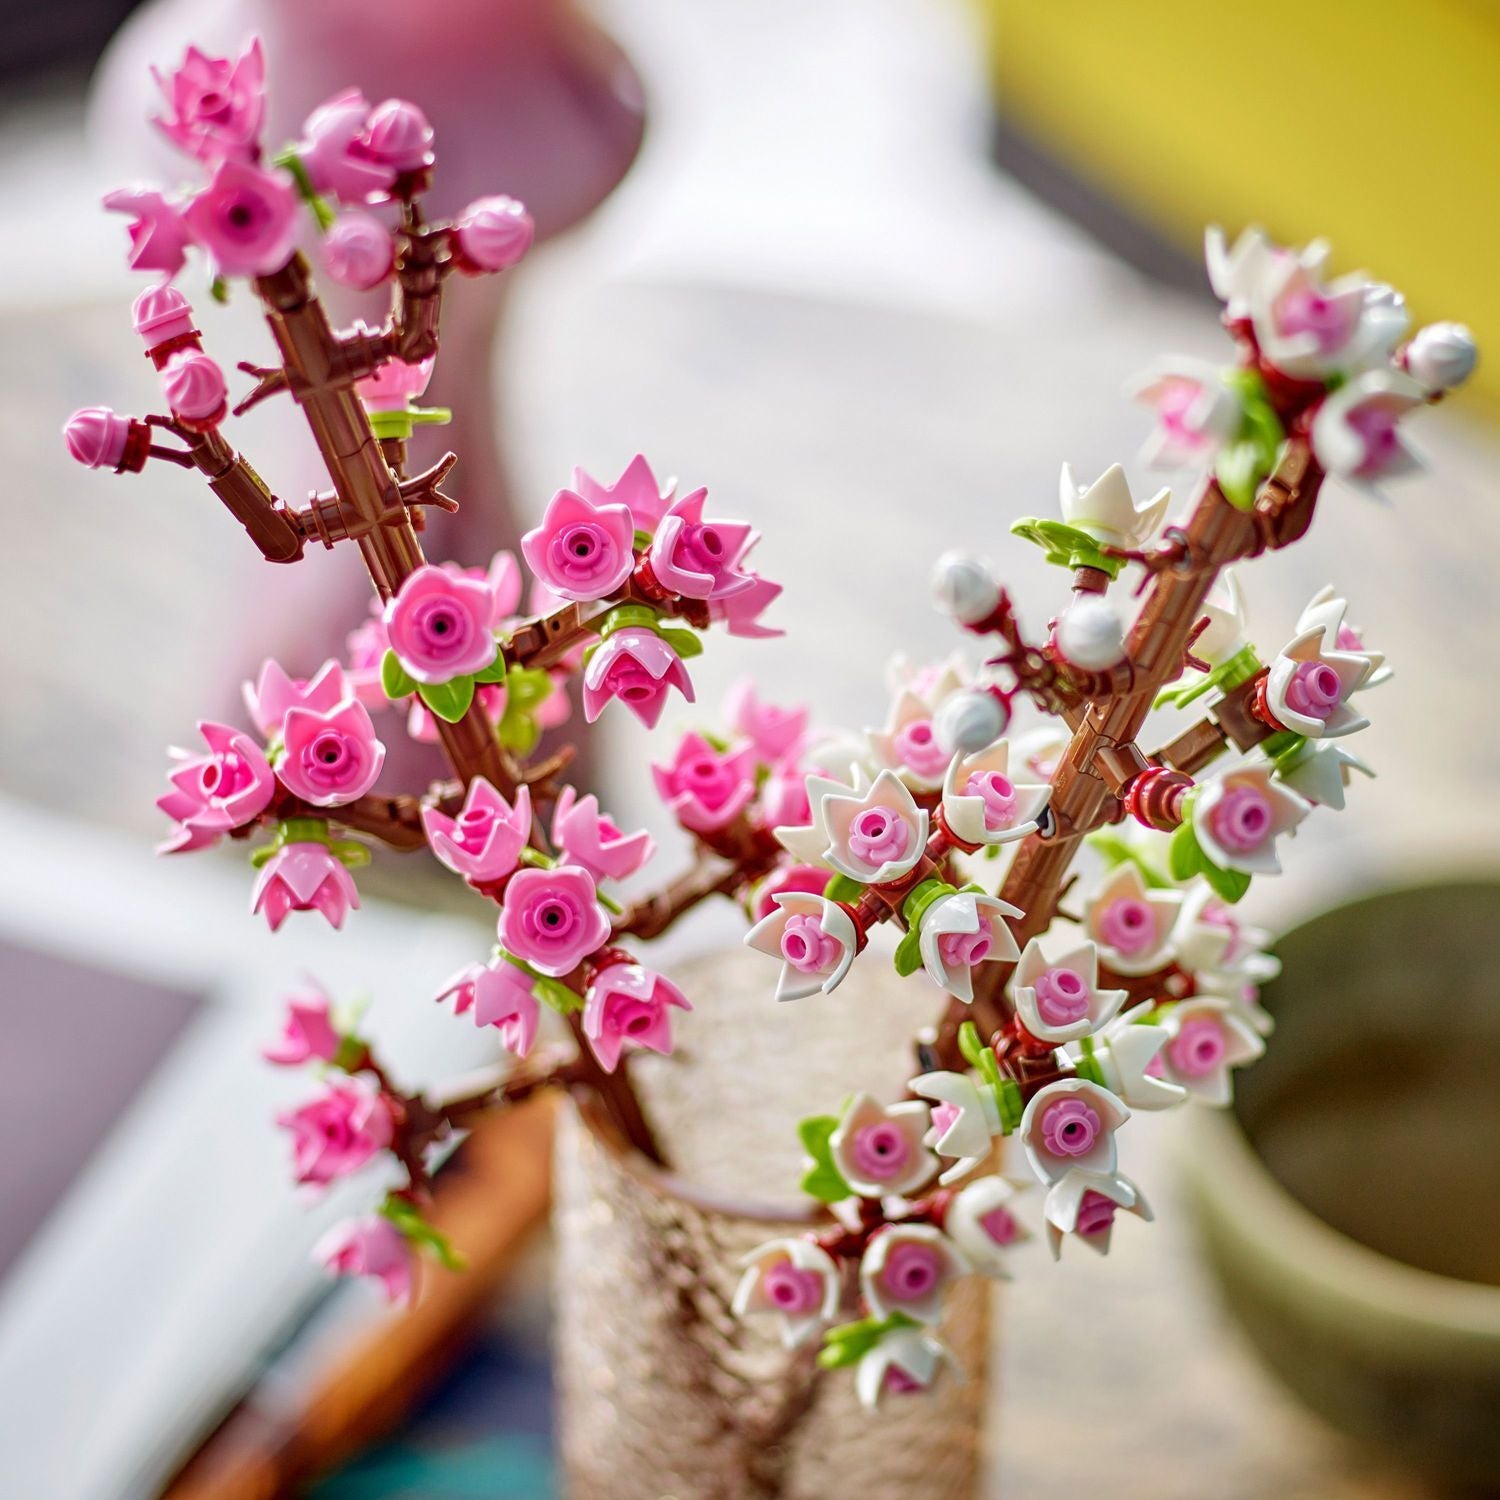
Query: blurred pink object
x,y
159,237
308,1033
371,1246
493,234
215,106
160,314
96,437
358,250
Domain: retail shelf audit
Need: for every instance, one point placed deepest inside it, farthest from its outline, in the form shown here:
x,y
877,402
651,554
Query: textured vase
x,y
662,1391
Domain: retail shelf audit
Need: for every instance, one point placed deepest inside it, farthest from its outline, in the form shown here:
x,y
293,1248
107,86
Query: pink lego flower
x,y
330,758
499,994
484,842
372,1246
1355,433
775,732
358,250
704,788
395,385
629,1006
159,236
332,150
440,626
246,218
308,1033
492,234
304,877
1196,413
636,666
783,800
789,880
366,646
551,919
636,488
215,106
273,693
212,793
339,1132
696,558
581,551
740,611
589,838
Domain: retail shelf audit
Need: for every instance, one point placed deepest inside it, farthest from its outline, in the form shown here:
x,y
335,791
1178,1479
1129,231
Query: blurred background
x,y
871,270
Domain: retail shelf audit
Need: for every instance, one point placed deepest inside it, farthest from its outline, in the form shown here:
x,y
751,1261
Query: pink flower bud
x,y
332,153
160,314
630,1006
636,666
339,1132
1095,1213
358,250
195,389
304,877
484,842
97,438
213,793
809,879
499,994
965,949
589,838
398,136
372,1247
919,749
706,789
308,1033
492,234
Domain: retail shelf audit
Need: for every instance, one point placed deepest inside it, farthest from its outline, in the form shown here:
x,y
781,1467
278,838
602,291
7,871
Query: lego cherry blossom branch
x,y
1146,994
448,652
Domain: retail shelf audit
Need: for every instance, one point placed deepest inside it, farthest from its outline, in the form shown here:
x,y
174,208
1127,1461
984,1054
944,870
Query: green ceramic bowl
x,y
1350,1200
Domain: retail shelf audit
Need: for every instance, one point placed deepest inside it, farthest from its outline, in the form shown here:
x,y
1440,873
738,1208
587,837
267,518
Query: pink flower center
x,y
1308,311
1241,820
225,774
1095,1214
1198,1048
898,1383
961,950
1349,639
918,748
472,828
551,920
1069,1128
701,549
1216,915
792,1290
1127,926
582,552
878,835
806,947
999,796
441,627
708,779
330,758
944,1117
1376,426
1000,1225
1062,996
910,1272
630,682
1314,691
627,1016
880,1151
1174,403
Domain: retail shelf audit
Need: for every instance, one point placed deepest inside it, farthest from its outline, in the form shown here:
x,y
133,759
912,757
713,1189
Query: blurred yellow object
x,y
1375,125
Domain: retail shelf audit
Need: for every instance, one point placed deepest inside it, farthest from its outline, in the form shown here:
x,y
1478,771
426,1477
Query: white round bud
x,y
1090,635
964,587
1442,356
968,721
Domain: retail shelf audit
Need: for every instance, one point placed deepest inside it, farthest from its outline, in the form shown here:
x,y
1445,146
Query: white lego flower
x,y
904,1361
793,1279
982,1223
1084,1205
1196,413
1356,434
1059,999
1238,817
814,938
983,805
906,1268
1206,1041
909,744
1107,511
878,1148
957,933
1130,923
1126,1055
1070,1126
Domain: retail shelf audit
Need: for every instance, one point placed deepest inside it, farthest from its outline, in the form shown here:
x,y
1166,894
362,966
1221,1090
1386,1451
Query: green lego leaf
x,y
1185,857
496,670
848,1343
1066,546
683,642
1227,885
395,680
844,888
448,700
909,953
822,1180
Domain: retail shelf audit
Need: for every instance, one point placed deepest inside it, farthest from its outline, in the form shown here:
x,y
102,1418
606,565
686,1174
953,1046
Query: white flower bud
x,y
968,721
1442,356
964,588
1090,635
